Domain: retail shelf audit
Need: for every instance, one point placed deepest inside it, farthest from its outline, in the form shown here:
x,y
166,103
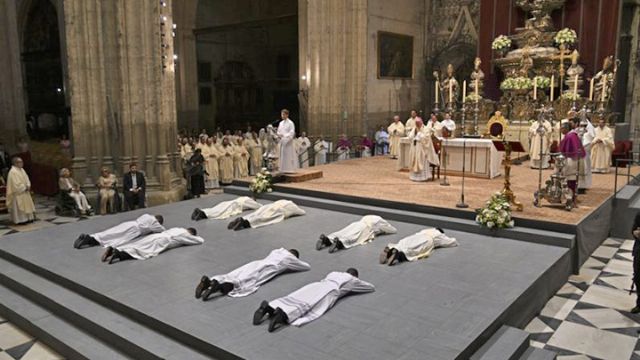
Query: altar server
x,y
151,245
601,148
396,131
321,148
122,233
311,301
248,278
356,233
417,246
422,154
535,146
226,209
19,202
286,133
267,215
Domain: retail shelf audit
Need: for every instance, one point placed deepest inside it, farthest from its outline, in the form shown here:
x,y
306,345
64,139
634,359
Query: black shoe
x,y
279,317
107,254
384,256
226,288
635,310
323,242
194,214
393,257
116,255
86,240
337,245
201,215
258,316
204,283
241,224
79,240
213,287
233,224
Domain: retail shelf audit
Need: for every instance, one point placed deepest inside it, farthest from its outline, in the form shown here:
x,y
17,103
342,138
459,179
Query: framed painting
x,y
395,56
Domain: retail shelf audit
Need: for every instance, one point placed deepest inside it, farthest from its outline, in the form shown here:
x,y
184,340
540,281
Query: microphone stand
x,y
462,204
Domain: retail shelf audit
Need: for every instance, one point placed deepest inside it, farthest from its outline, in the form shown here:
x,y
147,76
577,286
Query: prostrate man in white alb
x,y
122,233
311,301
287,133
248,278
226,209
417,246
267,215
151,245
356,233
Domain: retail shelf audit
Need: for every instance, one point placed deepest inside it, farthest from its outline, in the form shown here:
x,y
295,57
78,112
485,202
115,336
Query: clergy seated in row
x,y
311,301
448,126
321,148
248,278
267,215
396,132
226,209
71,188
344,147
573,151
365,146
417,246
356,233
122,233
153,244
422,153
302,146
601,148
21,208
134,184
382,141
107,183
539,143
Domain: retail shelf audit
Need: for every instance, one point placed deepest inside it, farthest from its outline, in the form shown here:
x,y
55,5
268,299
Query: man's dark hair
x,y
440,229
192,231
353,272
295,252
160,219
132,165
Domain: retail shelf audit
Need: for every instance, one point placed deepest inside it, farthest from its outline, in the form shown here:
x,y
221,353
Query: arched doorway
x,y
47,113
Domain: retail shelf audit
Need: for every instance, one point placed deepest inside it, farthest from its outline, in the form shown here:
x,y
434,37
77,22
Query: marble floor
x,y
15,344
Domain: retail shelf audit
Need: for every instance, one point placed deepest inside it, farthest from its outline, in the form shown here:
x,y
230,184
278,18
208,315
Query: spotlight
x,y
303,77
175,57
59,90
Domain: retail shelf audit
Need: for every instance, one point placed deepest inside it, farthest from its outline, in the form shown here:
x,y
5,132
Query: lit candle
x,y
575,87
535,89
604,87
450,91
437,89
552,78
464,91
591,89
477,91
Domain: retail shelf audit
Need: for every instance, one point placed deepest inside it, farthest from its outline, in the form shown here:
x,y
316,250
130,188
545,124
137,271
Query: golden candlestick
x,y
506,191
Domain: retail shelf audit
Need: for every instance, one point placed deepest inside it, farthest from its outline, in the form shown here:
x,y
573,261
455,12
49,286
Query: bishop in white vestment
x,y
417,246
248,278
226,209
288,159
267,215
122,233
422,154
19,201
311,301
601,149
356,233
151,245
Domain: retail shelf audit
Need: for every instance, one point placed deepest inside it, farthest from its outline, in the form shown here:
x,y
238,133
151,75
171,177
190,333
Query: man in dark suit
x,y
134,187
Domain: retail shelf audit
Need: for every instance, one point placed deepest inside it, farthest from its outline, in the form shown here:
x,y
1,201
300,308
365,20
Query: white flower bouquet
x,y
517,83
262,182
473,98
502,42
496,214
542,81
570,96
566,36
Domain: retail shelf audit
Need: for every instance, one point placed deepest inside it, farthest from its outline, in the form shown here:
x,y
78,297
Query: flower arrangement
x,y
570,96
502,42
496,214
566,36
517,83
262,182
542,81
473,98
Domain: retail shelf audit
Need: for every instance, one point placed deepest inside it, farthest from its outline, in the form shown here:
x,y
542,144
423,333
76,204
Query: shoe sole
x,y
262,311
107,254
201,286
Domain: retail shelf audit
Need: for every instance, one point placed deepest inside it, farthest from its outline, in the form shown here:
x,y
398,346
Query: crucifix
x,y
564,54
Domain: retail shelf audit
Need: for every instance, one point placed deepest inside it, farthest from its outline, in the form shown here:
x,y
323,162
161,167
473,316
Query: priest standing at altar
x,y
286,133
411,122
601,148
396,131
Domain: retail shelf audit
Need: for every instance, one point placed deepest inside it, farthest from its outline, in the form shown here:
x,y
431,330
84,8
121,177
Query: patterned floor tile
x,y
606,318
40,351
538,326
558,308
622,267
591,341
11,336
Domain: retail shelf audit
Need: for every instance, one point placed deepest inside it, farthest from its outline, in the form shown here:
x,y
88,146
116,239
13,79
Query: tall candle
x,y
450,91
535,89
575,87
552,78
477,90
464,91
604,87
437,89
591,89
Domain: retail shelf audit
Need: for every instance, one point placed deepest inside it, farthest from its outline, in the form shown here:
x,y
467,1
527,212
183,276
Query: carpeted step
x,y
508,343
533,353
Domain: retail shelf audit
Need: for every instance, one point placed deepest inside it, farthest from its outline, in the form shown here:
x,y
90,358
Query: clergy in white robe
x,y
396,132
449,125
434,127
535,146
288,159
267,215
320,148
151,245
122,233
302,149
226,209
422,154
588,135
411,122
417,246
311,301
248,278
601,149
356,233
19,201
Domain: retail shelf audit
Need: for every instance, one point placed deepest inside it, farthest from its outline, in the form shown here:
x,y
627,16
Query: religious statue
x,y
526,63
449,87
574,70
477,77
604,79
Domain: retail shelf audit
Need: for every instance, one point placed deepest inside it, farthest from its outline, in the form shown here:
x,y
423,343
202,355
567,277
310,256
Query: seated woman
x,y
71,187
107,188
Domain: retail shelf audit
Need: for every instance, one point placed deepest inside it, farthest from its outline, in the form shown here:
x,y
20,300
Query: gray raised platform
x,y
446,306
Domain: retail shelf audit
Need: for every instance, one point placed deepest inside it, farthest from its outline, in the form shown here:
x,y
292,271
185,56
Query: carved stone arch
x,y
460,54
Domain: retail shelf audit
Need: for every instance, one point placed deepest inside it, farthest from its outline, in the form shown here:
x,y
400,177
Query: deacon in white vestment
x,y
122,233
417,246
321,148
19,201
396,132
356,233
535,146
286,132
267,215
588,135
151,245
601,149
311,301
248,278
226,209
302,149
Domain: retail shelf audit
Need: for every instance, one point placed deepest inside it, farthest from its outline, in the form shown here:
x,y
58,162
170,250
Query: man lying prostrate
x,y
122,233
356,233
246,279
267,215
417,246
153,244
226,209
311,301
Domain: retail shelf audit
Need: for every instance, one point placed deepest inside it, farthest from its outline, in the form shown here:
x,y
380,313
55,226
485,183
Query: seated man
x,y
226,209
152,245
267,215
246,279
417,246
357,233
134,186
311,301
122,233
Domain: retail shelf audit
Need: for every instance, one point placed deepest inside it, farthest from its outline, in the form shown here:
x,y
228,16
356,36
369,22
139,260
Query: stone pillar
x,y
184,16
